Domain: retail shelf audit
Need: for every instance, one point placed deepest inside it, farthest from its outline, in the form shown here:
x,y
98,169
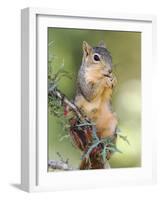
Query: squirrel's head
x,y
97,56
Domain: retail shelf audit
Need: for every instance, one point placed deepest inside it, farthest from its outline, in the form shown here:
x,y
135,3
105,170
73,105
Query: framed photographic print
x,y
87,116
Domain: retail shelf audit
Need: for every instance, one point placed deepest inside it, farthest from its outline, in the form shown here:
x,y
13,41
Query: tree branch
x,y
60,165
55,92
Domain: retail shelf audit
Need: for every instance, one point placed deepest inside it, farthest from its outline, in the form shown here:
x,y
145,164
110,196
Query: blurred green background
x,y
65,48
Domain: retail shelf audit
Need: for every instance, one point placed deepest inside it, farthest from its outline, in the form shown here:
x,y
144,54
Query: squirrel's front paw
x,y
111,81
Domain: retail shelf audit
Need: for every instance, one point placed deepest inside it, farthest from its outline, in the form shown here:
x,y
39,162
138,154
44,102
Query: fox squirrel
x,y
95,84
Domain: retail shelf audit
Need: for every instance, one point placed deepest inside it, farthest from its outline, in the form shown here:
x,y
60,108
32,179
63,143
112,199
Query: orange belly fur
x,y
99,112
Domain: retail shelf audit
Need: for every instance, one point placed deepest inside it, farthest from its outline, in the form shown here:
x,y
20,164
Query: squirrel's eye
x,y
96,57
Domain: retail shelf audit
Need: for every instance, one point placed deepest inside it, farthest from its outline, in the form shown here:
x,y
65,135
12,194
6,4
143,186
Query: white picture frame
x,y
34,175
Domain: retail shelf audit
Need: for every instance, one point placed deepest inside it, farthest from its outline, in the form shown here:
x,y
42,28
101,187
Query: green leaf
x,y
124,138
104,153
94,134
113,149
86,154
63,137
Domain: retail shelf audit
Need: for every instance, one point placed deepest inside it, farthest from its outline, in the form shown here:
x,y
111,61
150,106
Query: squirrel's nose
x,y
110,71
107,71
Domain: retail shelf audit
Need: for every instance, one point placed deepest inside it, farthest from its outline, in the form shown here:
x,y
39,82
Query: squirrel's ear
x,y
102,44
86,48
